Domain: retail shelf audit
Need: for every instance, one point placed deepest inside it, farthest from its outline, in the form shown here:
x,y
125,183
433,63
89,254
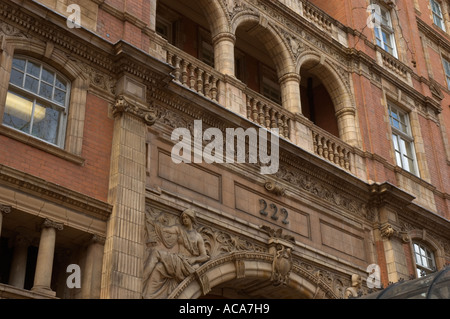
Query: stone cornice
x,y
433,35
54,193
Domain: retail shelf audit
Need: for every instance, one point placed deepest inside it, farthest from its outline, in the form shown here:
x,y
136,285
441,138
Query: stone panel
x,y
342,240
190,176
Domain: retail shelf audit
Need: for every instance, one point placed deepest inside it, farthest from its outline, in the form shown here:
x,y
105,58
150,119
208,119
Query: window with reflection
x,y
438,17
384,31
425,262
37,101
403,140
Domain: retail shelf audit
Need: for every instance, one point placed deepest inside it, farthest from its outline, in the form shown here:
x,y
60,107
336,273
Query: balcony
x,y
248,73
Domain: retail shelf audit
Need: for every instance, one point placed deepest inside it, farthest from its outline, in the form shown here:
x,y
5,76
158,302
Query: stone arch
x,y
242,265
216,16
339,90
268,35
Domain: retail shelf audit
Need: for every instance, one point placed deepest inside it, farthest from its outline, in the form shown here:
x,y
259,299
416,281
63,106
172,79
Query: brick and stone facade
x,y
111,199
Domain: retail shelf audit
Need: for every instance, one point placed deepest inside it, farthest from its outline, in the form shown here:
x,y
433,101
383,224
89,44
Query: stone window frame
x,y
403,135
37,98
49,55
396,99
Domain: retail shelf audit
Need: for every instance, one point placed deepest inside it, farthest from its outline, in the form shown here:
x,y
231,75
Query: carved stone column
x,y
224,53
19,262
346,119
124,250
3,211
46,253
290,92
92,274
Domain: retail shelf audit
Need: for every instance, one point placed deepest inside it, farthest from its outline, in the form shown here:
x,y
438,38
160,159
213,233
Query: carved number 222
x,y
274,210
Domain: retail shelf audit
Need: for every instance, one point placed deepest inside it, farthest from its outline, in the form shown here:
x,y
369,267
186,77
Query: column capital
x,y
52,224
346,111
224,36
5,209
97,239
291,76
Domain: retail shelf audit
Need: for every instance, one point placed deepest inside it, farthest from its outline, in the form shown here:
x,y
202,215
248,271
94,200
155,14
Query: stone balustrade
x,y
193,73
331,148
268,114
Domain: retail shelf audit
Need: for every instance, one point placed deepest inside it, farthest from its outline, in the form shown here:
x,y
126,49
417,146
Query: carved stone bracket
x,y
126,105
388,231
275,188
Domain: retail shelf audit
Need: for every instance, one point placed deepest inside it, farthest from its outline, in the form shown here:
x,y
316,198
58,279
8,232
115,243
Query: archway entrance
x,y
242,275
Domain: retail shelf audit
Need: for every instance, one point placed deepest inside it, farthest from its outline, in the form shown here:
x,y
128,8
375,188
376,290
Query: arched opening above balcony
x,y
326,97
316,102
190,26
263,62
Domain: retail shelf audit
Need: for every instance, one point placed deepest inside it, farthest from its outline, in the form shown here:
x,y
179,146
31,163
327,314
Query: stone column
x,y
19,262
290,92
3,211
224,53
92,274
46,252
347,125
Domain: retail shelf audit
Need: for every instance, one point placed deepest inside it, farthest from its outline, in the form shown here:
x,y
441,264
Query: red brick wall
x,y
90,179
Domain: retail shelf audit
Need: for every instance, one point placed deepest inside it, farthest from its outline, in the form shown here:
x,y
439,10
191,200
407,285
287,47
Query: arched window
x,y
37,101
425,261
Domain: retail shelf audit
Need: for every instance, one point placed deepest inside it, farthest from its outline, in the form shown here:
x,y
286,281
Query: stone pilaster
x,y
123,253
46,253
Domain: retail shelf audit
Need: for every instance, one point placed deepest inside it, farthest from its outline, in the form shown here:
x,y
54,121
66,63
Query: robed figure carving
x,y
182,251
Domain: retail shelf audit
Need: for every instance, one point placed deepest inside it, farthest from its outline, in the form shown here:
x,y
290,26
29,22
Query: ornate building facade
x,y
356,97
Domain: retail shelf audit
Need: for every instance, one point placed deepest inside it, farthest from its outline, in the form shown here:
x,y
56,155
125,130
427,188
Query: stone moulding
x,y
54,193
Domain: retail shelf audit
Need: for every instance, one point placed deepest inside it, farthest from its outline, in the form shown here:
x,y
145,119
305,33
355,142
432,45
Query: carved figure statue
x,y
165,269
355,290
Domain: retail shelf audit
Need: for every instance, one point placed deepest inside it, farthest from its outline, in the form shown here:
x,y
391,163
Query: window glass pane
x,y
60,97
45,123
48,76
46,90
31,84
16,78
416,248
19,64
60,83
33,69
18,111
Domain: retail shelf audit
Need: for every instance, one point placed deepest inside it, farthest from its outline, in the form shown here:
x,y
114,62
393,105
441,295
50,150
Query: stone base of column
x,y
44,290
